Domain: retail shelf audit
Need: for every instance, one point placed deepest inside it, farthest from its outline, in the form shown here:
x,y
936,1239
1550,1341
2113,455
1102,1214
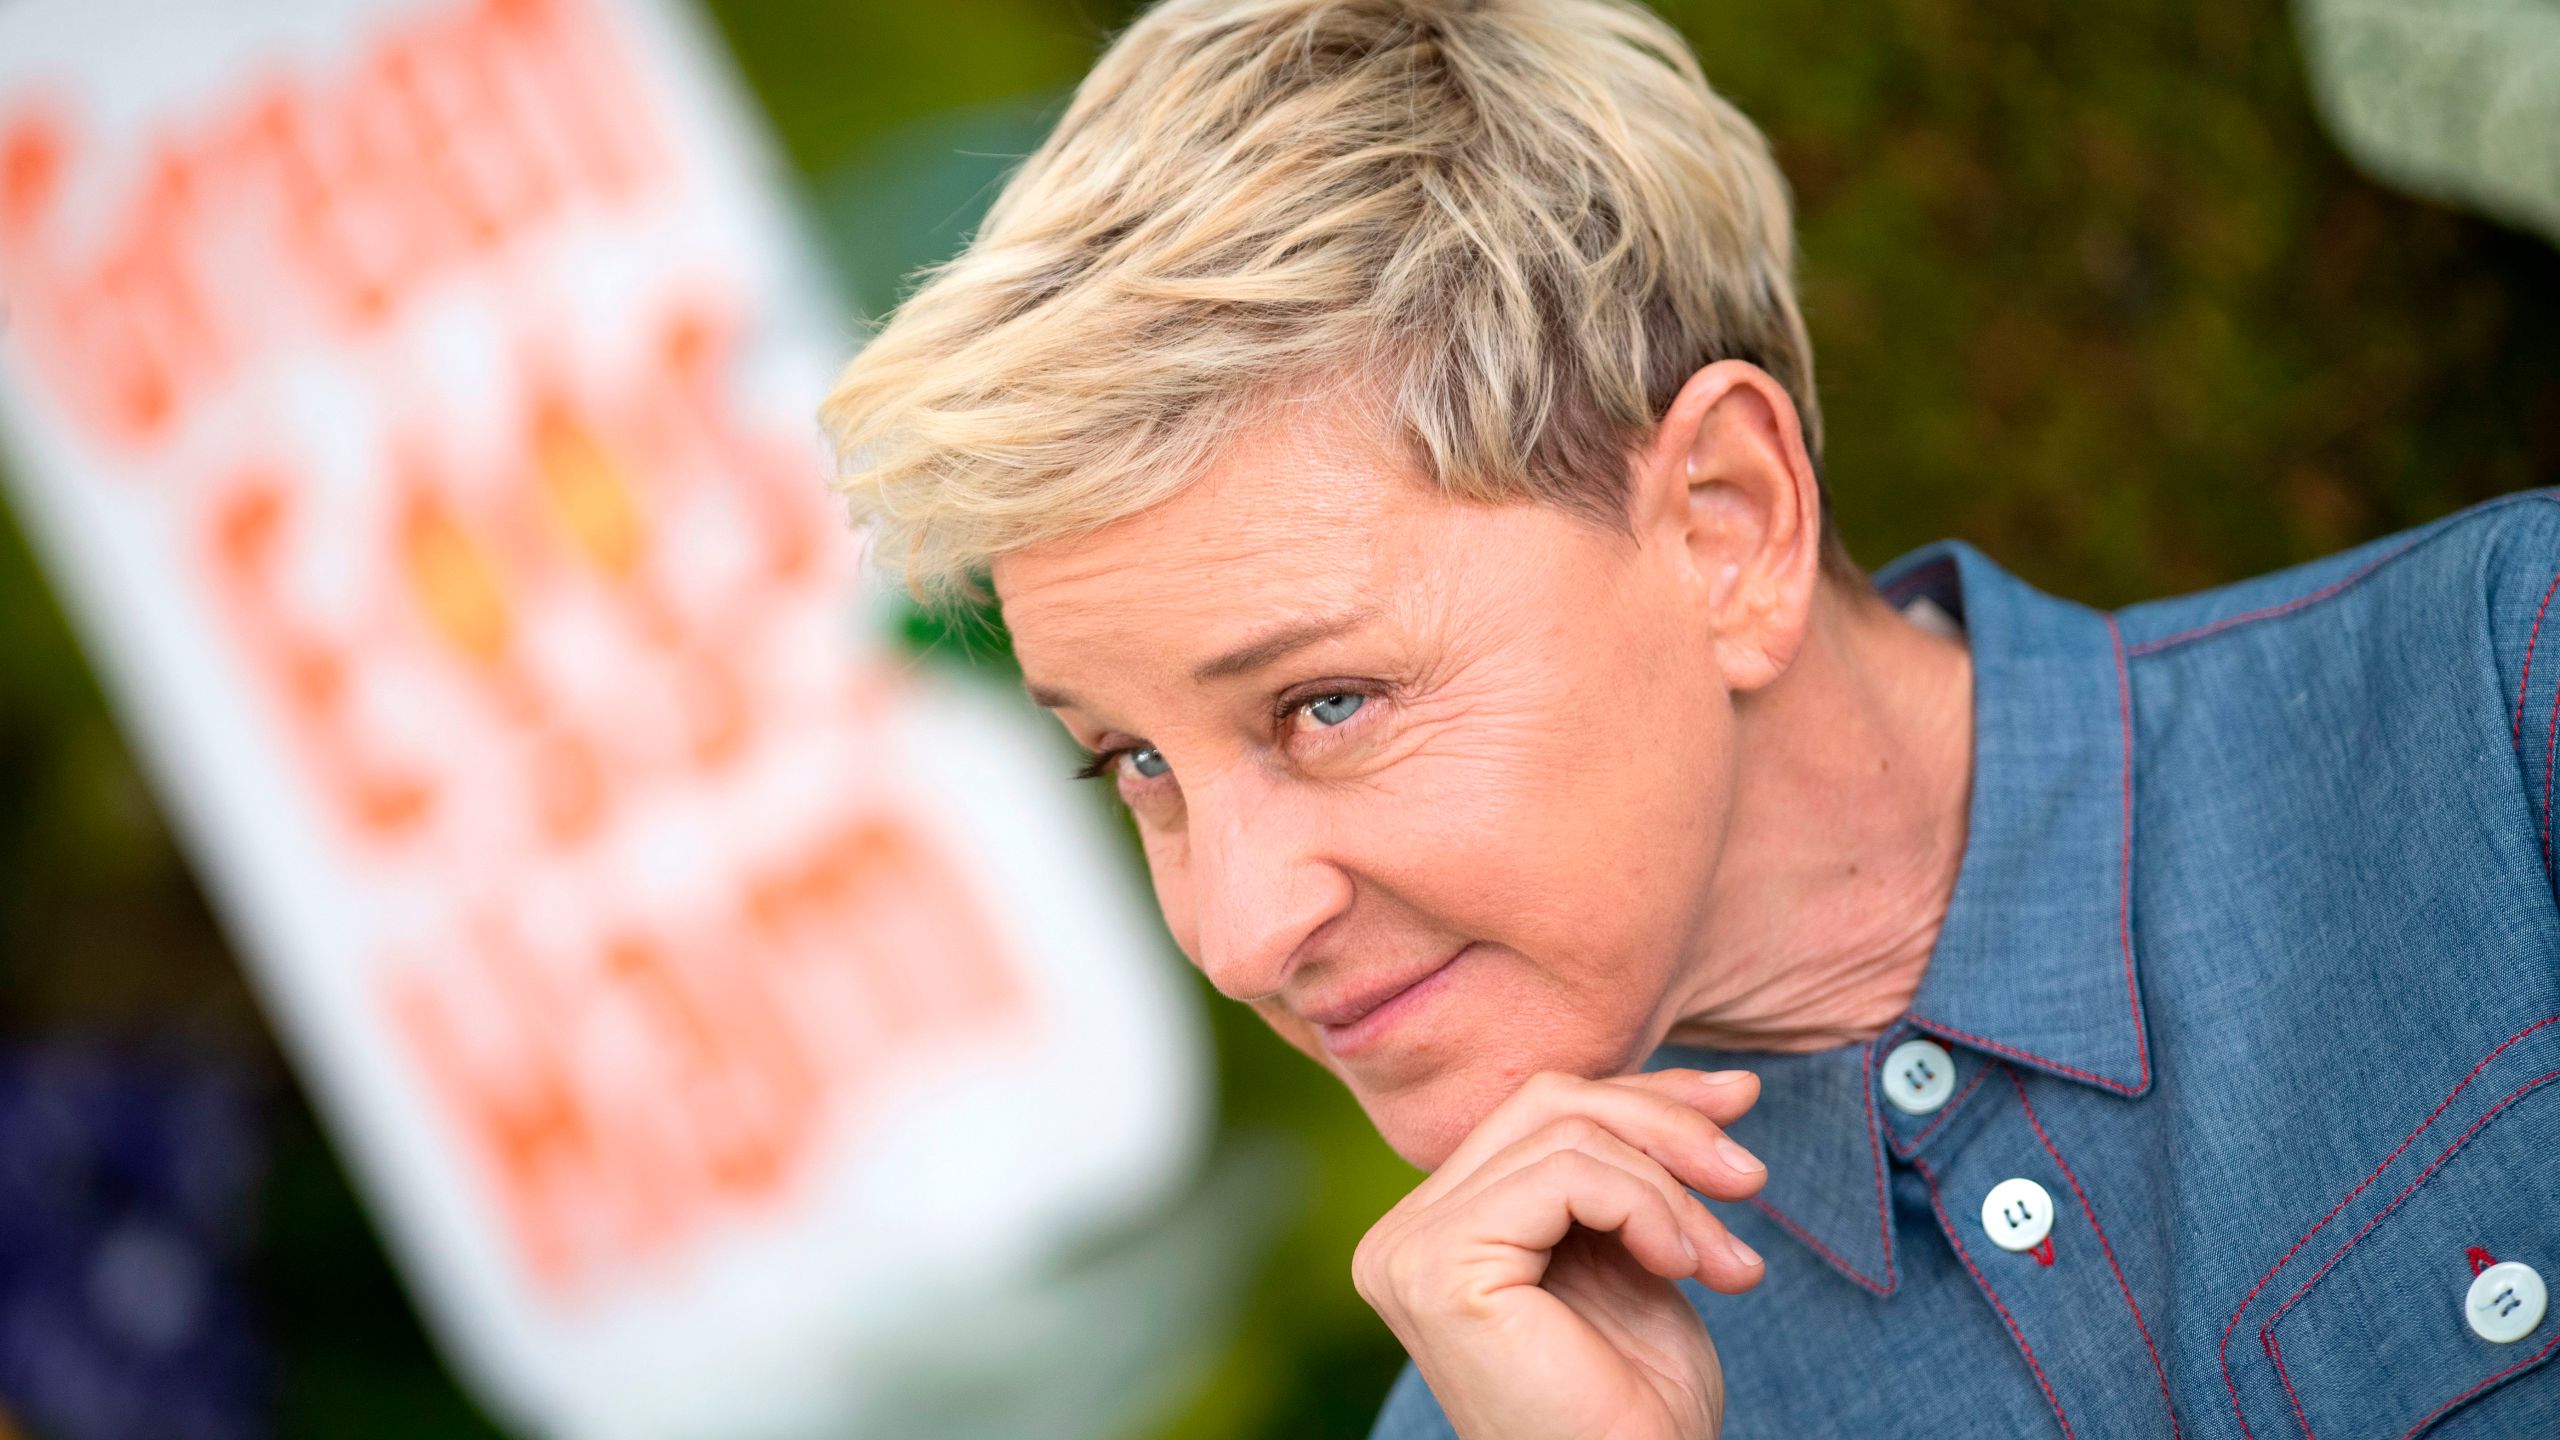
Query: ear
x,y
1727,490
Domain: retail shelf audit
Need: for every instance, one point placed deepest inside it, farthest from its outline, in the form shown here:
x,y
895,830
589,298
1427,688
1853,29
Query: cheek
x,y
1169,872
1586,844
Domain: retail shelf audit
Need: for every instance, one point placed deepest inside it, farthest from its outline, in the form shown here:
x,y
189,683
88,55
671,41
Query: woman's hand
x,y
1531,1278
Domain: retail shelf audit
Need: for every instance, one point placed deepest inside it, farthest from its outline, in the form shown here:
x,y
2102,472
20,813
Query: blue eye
x,y
1149,762
1331,710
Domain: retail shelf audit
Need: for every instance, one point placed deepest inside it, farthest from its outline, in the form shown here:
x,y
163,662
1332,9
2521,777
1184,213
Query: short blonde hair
x,y
1516,227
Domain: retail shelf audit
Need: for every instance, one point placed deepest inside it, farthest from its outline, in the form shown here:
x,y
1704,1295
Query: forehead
x,y
1303,511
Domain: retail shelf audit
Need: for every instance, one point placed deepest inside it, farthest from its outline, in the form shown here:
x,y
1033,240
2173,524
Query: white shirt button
x,y
1918,1077
2505,1302
2018,1213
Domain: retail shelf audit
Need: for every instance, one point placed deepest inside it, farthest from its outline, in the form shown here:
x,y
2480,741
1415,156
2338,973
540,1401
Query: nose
x,y
1260,883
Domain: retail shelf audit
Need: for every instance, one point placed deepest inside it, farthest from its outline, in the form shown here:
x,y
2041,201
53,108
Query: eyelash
x,y
1098,764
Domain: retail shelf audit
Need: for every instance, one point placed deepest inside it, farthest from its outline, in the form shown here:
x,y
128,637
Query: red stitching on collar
x,y
2267,1330
1884,1209
2397,1151
1992,1295
2029,1056
2535,635
1875,1145
2124,868
2104,1248
2124,921
1801,1233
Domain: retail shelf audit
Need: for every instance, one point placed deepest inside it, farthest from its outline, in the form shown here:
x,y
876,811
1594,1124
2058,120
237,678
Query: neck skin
x,y
1853,772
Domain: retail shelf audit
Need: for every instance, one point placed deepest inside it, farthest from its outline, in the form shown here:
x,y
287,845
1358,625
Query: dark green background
x,y
2088,285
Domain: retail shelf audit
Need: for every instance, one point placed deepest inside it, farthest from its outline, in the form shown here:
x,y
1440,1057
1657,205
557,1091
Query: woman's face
x,y
1437,787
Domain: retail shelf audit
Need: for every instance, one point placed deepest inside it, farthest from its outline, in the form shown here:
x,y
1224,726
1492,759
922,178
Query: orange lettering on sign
x,y
382,799
128,331
532,647
465,569
623,1099
451,140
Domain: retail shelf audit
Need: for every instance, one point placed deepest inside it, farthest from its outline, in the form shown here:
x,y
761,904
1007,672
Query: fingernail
x,y
1722,1078
1741,1252
1737,1157
1689,1248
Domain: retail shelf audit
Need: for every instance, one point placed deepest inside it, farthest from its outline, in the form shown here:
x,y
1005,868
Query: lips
x,y
1346,1009
1350,1022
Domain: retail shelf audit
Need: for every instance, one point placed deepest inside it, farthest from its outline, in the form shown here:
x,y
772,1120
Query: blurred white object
x,y
2456,100
412,402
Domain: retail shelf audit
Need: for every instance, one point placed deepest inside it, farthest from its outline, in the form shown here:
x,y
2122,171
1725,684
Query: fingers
x,y
1532,1208
1676,1117
1717,1259
1621,1155
1723,1096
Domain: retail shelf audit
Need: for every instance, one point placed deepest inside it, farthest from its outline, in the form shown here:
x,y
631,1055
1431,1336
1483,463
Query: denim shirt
x,y
2253,965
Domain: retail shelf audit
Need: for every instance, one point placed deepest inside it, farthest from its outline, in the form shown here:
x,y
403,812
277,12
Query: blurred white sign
x,y
412,401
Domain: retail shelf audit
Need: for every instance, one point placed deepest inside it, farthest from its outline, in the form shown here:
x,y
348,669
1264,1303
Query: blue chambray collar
x,y
2035,962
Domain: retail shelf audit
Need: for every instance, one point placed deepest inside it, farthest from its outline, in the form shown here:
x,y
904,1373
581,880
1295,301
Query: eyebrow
x,y
1261,651
1243,659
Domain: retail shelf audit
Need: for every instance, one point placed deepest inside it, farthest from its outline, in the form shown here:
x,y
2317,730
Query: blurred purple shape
x,y
127,1182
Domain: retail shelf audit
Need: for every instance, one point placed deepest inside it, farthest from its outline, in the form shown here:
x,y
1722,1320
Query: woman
x,y
1389,431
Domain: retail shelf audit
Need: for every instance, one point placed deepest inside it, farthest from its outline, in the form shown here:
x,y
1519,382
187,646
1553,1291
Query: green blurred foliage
x,y
2089,287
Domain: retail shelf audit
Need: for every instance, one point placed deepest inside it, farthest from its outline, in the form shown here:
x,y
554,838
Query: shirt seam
x,y
2528,1362
1981,1281
2532,638
2267,1330
1825,1251
2231,1385
2339,586
1884,1210
2551,736
2550,753
2124,919
2104,1247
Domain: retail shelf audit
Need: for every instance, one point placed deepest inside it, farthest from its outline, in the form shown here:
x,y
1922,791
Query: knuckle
x,y
1364,1255
1389,1267
1576,1132
1569,1167
1372,1263
1364,1280
1546,1087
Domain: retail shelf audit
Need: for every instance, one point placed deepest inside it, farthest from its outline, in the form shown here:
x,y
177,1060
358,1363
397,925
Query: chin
x,y
1425,1117
1425,1122
1423,1138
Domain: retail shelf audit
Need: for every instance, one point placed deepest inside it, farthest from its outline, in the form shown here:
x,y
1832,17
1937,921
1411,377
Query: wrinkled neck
x,y
1853,772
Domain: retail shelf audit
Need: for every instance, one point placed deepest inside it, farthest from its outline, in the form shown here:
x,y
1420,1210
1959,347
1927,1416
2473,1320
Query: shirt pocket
x,y
2362,1332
